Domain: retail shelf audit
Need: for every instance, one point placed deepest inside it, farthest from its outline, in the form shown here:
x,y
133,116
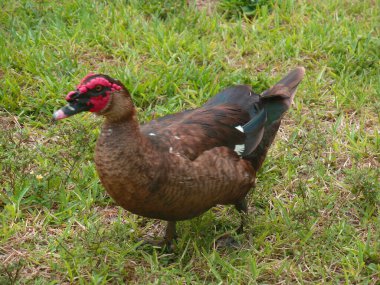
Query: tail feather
x,y
286,88
277,100
274,102
240,95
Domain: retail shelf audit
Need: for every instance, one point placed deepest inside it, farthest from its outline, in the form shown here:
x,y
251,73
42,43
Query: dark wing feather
x,y
241,95
192,132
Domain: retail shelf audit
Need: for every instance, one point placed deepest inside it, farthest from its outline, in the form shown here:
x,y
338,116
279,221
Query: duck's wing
x,y
236,118
192,132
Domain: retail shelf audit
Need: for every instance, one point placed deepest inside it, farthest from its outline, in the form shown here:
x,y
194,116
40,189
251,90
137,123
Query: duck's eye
x,y
98,88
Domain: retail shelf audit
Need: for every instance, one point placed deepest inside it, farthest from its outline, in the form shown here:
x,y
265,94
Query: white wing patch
x,y
152,134
239,149
240,128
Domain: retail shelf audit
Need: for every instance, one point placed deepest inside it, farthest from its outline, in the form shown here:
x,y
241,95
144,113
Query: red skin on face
x,y
68,96
98,103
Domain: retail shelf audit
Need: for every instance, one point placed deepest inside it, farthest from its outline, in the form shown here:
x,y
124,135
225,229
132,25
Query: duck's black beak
x,y
70,109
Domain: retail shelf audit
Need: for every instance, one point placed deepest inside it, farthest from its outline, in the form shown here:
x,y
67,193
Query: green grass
x,y
315,213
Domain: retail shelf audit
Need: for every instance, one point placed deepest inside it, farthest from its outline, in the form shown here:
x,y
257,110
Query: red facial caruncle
x,y
97,91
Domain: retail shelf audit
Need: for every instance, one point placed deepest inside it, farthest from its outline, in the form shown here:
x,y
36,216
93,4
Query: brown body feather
x,y
168,182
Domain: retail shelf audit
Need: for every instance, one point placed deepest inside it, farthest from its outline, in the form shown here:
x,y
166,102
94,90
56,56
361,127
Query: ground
x,y
314,215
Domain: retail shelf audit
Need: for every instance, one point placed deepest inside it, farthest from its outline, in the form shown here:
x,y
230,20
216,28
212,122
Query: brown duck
x,y
179,166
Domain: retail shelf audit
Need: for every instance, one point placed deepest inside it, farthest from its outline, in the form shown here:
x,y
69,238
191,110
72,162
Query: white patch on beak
x,y
59,115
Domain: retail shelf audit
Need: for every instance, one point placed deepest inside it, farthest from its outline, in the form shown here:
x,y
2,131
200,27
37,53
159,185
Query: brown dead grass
x,y
20,263
8,122
208,5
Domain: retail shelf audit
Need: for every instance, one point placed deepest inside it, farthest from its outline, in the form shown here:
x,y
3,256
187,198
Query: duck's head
x,y
99,94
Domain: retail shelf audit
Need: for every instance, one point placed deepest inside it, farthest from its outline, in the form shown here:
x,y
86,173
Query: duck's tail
x,y
274,102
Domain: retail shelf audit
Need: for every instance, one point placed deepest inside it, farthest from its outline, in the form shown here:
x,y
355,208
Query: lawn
x,y
314,216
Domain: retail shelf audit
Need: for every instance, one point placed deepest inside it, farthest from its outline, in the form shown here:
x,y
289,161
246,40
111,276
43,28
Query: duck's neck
x,y
122,136
124,158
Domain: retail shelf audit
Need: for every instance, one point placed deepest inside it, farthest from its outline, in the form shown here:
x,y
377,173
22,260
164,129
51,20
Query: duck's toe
x,y
162,243
226,241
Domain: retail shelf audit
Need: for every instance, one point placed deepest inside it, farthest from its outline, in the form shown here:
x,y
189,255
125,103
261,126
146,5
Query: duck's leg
x,y
242,208
170,232
227,240
167,240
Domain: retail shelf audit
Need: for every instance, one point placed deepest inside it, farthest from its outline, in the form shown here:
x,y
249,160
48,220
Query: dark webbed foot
x,y
226,241
160,243
168,241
